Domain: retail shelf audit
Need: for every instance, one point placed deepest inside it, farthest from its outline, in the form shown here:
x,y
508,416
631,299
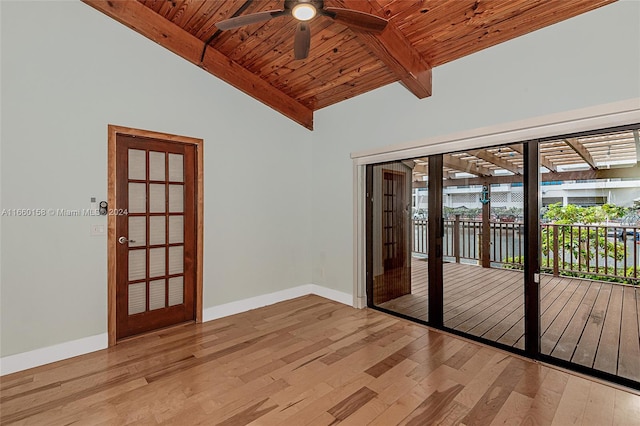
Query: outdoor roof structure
x,y
603,155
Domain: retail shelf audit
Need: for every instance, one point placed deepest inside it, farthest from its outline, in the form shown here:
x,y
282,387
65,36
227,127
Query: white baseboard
x,y
244,305
331,294
22,361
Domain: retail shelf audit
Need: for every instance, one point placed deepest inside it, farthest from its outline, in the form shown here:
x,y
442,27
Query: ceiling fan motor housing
x,y
289,4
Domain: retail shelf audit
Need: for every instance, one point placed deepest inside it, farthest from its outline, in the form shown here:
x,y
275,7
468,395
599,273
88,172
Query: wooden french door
x,y
155,233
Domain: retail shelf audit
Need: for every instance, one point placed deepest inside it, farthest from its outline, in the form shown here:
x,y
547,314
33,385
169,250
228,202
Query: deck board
x,y
572,333
629,355
607,352
555,330
585,352
593,324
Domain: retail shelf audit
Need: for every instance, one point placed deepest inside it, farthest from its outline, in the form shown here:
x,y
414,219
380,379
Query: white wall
x,y
67,72
588,60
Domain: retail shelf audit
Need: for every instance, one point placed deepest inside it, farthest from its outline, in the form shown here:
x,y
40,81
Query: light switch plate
x,y
98,230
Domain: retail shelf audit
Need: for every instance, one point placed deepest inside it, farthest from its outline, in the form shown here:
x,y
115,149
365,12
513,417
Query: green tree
x,y
578,235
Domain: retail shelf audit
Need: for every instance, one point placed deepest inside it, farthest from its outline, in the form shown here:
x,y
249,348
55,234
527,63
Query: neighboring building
x,y
582,193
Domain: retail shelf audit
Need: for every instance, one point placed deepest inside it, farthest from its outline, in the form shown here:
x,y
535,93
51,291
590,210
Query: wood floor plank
x,y
394,384
352,403
472,393
546,401
487,408
513,410
626,409
573,402
406,404
432,408
600,406
264,367
367,413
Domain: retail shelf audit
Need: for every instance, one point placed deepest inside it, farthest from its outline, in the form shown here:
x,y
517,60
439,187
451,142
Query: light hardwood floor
x,y
307,361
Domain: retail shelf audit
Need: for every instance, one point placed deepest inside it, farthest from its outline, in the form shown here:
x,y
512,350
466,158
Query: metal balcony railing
x,y
607,252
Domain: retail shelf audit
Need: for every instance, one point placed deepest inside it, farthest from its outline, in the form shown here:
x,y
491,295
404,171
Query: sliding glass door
x,y
483,212
531,246
397,233
590,252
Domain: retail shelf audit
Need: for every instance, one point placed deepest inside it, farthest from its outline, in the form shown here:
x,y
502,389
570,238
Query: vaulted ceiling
x,y
343,62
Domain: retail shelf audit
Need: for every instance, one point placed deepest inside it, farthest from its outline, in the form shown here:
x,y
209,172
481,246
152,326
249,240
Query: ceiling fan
x,y
304,11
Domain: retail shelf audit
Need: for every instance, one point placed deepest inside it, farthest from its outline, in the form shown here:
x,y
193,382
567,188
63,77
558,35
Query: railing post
x,y
413,236
456,238
485,252
556,268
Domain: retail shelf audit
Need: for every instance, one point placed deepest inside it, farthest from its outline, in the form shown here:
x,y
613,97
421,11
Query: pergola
x,y
612,155
601,156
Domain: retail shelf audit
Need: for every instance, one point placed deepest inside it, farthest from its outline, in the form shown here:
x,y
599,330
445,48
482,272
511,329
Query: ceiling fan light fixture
x,y
303,11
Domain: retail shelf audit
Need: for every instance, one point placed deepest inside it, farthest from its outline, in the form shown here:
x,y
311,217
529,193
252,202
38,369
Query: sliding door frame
x,y
587,119
532,199
528,132
435,231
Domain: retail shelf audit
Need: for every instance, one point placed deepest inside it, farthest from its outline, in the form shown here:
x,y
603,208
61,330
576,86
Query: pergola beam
x,y
421,168
496,160
394,49
544,161
465,166
622,172
582,151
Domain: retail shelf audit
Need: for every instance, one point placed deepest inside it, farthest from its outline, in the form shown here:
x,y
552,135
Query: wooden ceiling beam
x,y
496,160
153,26
395,50
582,151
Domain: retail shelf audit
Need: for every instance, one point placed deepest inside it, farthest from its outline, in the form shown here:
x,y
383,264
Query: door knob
x,y
124,240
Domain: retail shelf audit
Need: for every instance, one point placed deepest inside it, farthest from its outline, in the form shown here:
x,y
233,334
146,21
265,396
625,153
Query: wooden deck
x,y
590,323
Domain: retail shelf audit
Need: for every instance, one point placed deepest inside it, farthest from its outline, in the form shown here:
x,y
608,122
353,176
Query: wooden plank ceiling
x,y
342,62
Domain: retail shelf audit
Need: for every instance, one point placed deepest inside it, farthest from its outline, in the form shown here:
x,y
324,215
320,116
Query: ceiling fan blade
x,y
356,19
302,41
253,18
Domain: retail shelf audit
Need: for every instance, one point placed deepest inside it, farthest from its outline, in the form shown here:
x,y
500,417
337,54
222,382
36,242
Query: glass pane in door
x,y
398,216
155,230
590,251
483,242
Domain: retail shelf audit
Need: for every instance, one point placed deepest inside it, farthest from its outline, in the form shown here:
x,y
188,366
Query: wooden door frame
x,y
113,131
